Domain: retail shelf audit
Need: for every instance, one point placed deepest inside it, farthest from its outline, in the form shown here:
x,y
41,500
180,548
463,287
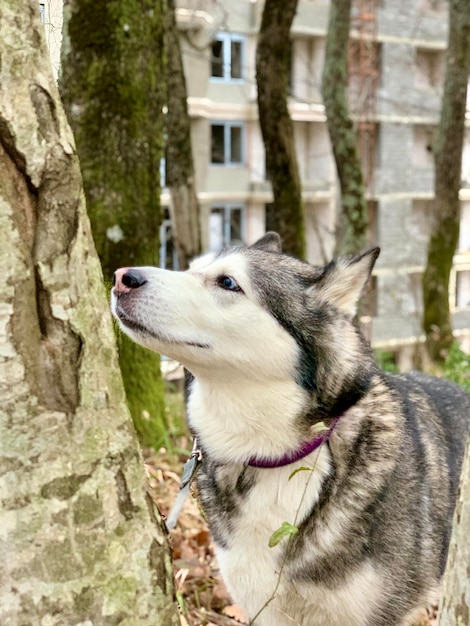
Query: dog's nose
x,y
127,278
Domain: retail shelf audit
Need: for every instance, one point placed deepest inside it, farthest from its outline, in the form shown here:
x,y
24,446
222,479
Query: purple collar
x,y
291,457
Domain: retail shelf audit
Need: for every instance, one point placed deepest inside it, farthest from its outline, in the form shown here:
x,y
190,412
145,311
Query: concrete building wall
x,y
394,150
420,21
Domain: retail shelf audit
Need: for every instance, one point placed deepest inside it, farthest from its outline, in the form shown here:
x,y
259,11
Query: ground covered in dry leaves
x,y
201,594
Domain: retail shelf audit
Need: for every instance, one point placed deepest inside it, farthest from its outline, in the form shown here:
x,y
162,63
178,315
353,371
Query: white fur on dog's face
x,y
244,398
188,316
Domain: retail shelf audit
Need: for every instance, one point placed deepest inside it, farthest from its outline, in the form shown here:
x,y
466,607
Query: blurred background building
x,y
397,62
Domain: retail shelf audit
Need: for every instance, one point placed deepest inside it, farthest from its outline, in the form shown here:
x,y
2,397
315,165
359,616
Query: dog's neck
x,y
296,455
259,420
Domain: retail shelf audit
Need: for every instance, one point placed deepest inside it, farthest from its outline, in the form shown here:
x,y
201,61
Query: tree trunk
x,y
351,230
272,74
448,145
455,604
80,540
180,178
113,88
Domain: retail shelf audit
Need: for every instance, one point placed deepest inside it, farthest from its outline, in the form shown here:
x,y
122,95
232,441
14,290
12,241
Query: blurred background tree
x,y
272,79
180,175
447,149
113,86
351,219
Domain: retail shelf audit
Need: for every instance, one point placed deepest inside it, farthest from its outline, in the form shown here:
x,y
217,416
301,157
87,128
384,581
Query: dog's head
x,y
252,310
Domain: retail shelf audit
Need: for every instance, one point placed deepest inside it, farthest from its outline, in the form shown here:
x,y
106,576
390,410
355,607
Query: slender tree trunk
x,y
79,538
351,231
448,145
455,604
272,74
113,87
179,159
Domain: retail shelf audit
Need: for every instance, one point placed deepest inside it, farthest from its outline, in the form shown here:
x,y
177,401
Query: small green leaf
x,y
300,469
286,530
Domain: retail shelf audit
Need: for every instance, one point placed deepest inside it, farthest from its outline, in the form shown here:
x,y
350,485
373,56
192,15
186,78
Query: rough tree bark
x,y
455,604
351,230
437,323
272,74
80,541
184,207
113,88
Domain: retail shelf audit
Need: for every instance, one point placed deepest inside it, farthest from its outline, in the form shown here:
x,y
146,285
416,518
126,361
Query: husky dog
x,y
329,485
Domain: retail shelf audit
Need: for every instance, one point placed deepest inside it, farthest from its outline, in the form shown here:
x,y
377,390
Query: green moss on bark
x,y
144,390
272,67
437,321
351,230
113,88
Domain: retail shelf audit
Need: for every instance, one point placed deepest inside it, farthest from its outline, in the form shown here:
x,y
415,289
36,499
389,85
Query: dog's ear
x,y
271,242
345,280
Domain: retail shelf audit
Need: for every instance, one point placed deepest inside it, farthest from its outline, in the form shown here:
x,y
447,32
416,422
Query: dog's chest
x,y
249,566
256,575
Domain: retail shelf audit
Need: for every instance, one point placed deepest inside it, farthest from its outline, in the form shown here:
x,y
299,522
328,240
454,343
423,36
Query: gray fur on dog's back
x,y
418,500
452,406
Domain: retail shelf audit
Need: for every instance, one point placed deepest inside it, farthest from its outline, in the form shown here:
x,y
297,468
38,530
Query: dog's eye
x,y
228,283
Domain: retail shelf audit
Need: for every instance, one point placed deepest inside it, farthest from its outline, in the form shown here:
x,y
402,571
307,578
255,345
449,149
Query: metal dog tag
x,y
191,466
189,471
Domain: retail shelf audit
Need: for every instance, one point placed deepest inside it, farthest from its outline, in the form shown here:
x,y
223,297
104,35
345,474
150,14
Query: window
x,y
163,173
227,57
462,292
464,234
226,226
466,151
227,143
